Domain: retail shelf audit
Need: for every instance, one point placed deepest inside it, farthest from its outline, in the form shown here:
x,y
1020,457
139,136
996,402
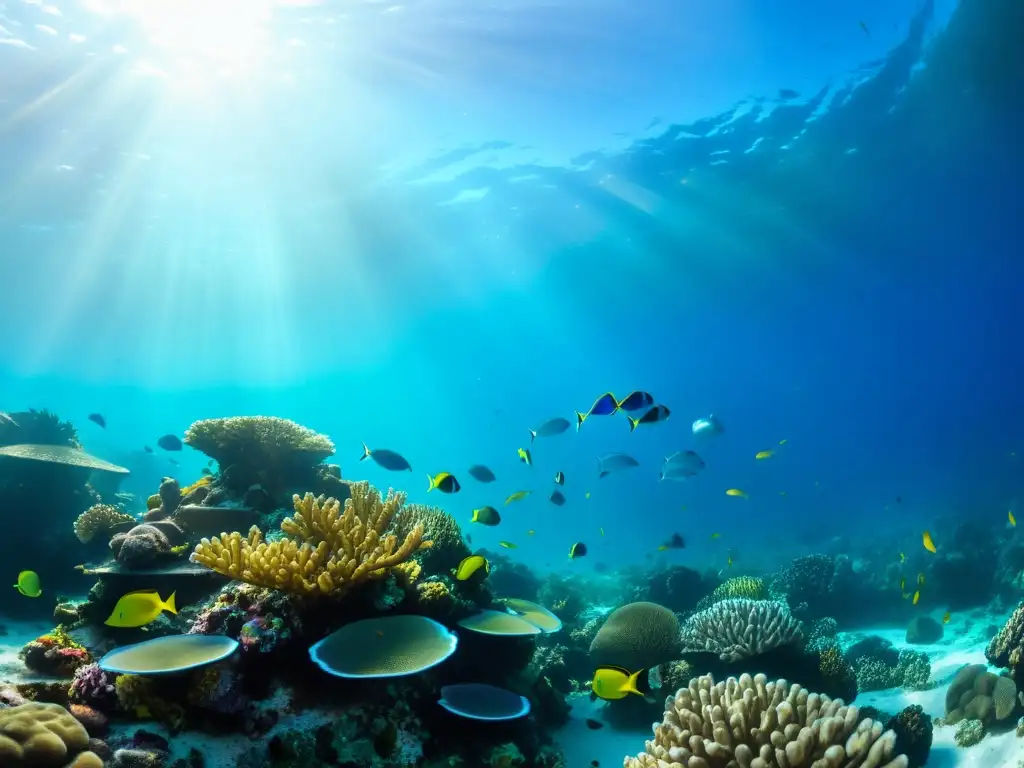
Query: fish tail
x,y
169,605
430,484
630,686
580,418
632,423
366,452
533,435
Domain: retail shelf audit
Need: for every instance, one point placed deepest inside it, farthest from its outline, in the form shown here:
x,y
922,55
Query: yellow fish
x,y
728,562
601,530
903,583
507,545
612,683
715,535
471,565
136,609
28,584
903,558
445,482
764,454
736,492
525,457
1013,520
926,539
945,618
517,496
530,532
920,579
917,596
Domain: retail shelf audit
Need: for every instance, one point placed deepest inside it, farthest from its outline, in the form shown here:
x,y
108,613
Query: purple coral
x,y
92,686
262,634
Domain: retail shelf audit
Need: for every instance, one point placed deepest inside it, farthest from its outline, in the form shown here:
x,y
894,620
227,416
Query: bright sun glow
x,y
222,33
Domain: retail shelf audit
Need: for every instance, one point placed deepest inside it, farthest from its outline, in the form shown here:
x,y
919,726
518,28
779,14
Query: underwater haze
x,y
431,226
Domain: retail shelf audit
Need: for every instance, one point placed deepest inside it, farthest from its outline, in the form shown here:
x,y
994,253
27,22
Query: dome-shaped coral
x,y
637,636
448,548
98,518
43,736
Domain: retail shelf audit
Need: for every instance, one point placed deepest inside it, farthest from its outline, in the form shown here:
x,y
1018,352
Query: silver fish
x,y
550,428
680,465
709,426
614,462
5,418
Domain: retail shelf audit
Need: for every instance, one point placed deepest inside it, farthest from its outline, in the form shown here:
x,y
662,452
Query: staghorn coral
x,y
740,628
754,723
637,636
326,550
448,548
747,587
97,519
44,736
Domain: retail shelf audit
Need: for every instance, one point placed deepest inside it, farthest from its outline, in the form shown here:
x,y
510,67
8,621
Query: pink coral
x,y
94,687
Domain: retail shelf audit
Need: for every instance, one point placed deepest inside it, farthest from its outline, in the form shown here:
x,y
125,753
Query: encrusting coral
x,y
44,736
740,628
326,550
753,723
97,519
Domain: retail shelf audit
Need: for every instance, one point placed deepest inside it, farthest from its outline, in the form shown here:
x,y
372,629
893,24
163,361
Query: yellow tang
x,y
136,609
525,457
517,496
764,454
28,584
613,683
471,565
917,596
508,545
736,492
926,539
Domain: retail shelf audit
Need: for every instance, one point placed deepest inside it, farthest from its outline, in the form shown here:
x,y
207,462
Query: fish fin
x,y
632,423
533,436
169,605
580,418
430,484
366,452
475,516
630,686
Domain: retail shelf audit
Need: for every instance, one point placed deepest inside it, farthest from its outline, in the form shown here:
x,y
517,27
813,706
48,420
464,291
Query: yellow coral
x,y
98,518
204,480
408,572
43,735
433,592
327,550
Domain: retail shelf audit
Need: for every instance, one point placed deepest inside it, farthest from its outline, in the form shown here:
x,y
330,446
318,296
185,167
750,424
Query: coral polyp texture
x,y
99,518
44,736
1007,647
753,723
258,440
326,549
741,628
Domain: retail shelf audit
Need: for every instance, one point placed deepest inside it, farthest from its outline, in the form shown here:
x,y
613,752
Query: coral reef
x,y
980,695
1005,649
740,628
325,550
147,545
750,721
969,733
44,736
99,518
747,587
637,636
55,654
913,729
93,687
879,665
448,548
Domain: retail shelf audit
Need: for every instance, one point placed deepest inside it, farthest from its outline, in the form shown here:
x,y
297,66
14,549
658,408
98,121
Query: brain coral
x,y
97,519
740,628
753,723
637,636
43,736
441,528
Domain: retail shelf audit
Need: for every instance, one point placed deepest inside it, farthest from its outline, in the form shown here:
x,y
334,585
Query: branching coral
x,y
754,723
738,629
97,519
326,551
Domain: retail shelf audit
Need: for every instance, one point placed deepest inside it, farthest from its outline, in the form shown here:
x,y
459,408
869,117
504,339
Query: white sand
x,y
12,668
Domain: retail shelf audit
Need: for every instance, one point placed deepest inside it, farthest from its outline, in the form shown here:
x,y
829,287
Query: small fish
x,y
709,426
920,579
97,418
386,459
481,474
559,478
586,495
783,493
486,516
656,414
783,442
864,27
903,558
28,584
764,454
612,683
147,449
579,549
605,405
728,561
636,400
517,496
945,617
444,482
136,609
530,532
681,465
508,545
716,535
926,539
738,493
471,565
903,584
5,418
917,596
525,457
614,462
601,530
549,428
169,443
556,498
675,541
1011,518
593,724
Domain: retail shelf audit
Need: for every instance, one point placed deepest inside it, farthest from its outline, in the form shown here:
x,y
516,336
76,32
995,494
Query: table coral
x,y
44,736
325,550
98,518
761,724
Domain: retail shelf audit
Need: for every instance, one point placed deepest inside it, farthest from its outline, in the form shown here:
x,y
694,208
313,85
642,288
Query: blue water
x,y
430,226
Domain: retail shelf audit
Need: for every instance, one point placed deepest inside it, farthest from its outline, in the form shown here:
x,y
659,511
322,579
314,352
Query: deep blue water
x,y
430,226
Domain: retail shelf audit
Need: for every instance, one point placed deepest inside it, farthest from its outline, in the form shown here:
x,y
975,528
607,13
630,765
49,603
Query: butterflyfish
x,y
926,539
445,482
471,565
28,584
137,609
653,416
579,549
486,516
